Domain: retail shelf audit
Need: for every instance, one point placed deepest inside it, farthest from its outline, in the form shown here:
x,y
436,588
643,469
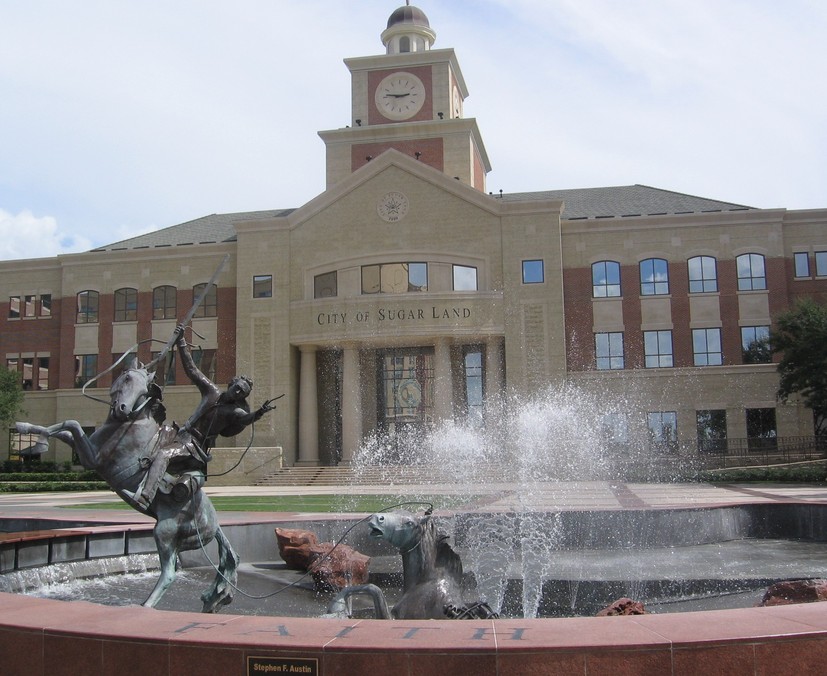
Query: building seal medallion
x,y
392,207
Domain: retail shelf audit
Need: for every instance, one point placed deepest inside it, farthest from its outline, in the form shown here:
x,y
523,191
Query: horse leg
x,y
223,587
168,556
70,432
338,606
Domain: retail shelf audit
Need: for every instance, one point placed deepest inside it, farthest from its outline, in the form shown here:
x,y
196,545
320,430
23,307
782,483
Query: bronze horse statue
x,y
133,430
431,569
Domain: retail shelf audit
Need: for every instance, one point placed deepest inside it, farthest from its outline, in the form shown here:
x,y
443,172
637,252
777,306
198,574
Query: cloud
x,y
25,235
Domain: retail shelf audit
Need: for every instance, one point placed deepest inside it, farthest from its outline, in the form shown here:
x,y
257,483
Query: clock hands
x,y
397,96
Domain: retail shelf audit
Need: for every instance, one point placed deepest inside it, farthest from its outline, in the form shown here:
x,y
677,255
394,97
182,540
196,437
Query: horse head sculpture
x,y
134,389
432,572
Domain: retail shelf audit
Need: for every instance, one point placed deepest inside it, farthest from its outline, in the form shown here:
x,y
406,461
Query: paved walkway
x,y
584,495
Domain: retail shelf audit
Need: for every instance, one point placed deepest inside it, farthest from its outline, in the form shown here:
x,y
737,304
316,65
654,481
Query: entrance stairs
x,y
384,475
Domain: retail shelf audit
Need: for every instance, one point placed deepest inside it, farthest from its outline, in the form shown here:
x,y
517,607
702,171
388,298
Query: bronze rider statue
x,y
188,448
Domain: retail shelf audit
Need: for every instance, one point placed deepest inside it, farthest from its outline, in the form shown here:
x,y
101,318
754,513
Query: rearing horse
x,y
431,569
132,431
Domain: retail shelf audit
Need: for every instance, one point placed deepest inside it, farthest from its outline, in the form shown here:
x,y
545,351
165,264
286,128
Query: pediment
x,y
410,169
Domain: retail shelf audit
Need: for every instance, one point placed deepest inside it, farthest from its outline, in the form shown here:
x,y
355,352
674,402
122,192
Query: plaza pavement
x,y
585,495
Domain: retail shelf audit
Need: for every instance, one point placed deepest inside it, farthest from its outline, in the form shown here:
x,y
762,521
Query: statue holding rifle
x,y
186,450
159,468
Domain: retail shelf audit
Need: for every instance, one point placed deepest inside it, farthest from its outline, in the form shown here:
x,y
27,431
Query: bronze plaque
x,y
298,666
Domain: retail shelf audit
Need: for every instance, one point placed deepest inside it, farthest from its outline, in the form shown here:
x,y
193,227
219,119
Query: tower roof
x,y
408,31
408,15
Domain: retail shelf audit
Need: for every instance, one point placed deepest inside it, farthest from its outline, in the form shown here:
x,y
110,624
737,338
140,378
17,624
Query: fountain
x,y
535,548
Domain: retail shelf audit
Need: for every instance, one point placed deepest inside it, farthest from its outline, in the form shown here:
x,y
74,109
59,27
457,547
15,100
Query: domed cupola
x,y
408,31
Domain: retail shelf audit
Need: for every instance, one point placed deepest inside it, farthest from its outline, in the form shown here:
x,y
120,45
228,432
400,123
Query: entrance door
x,y
406,390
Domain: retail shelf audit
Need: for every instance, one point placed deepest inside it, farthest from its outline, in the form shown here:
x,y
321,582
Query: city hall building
x,y
406,294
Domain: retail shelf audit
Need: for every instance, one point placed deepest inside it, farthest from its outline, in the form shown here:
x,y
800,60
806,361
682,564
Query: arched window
x,y
164,302
404,44
209,306
703,274
605,279
126,305
654,277
752,275
87,311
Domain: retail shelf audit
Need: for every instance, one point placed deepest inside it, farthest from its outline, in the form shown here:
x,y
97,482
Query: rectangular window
x,y
205,360
165,372
42,373
802,264
45,305
663,431
406,390
28,373
14,307
761,429
395,278
472,367
821,263
711,427
614,428
533,272
263,286
657,347
19,443
755,344
12,364
209,304
465,278
29,305
86,368
608,349
706,347
326,285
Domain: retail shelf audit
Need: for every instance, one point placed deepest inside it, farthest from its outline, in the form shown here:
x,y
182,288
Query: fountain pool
x,y
43,635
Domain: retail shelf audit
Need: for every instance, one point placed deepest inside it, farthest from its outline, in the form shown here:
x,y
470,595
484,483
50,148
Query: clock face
x,y
392,207
400,96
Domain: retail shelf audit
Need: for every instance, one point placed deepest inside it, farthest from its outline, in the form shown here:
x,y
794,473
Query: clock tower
x,y
411,99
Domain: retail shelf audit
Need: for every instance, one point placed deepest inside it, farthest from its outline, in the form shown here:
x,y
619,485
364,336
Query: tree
x,y
800,337
11,397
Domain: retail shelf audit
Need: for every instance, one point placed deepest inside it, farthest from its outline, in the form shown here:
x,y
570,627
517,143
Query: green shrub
x,y
84,475
47,486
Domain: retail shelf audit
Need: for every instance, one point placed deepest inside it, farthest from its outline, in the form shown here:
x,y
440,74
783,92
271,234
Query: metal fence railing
x,y
760,451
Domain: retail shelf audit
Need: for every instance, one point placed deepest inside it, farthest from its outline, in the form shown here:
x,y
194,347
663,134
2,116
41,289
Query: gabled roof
x,y
624,201
579,204
210,229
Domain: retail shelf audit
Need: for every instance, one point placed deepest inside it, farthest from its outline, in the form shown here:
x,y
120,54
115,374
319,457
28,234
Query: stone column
x,y
493,368
308,408
351,404
443,388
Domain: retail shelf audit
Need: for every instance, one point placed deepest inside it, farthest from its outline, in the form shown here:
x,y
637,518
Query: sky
x,y
118,117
